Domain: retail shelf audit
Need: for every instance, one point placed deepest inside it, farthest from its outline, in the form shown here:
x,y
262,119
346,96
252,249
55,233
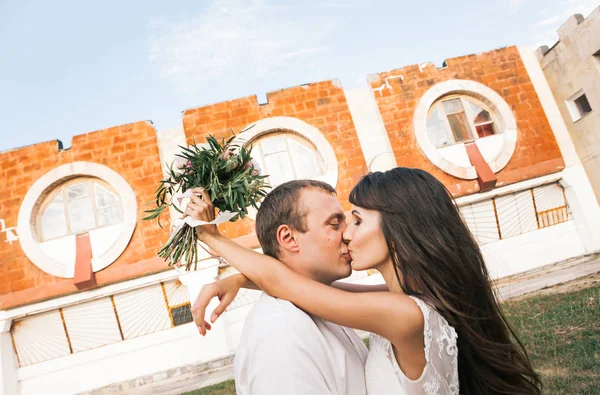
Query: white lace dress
x,y
440,376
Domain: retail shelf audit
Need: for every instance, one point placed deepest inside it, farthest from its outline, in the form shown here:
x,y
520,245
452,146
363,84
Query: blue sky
x,y
71,67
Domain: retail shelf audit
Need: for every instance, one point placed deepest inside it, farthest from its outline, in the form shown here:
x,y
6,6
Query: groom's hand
x,y
226,290
201,208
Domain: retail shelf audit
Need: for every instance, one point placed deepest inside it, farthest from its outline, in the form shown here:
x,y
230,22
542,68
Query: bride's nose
x,y
346,235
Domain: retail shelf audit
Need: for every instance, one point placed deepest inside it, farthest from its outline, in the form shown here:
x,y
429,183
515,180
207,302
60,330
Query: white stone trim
x,y
5,325
370,129
502,111
170,142
555,119
294,125
28,213
512,188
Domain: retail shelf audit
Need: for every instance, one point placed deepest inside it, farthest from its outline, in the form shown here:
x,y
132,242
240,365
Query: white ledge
x,y
512,188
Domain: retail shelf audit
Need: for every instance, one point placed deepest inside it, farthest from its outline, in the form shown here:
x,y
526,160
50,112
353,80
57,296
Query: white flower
x,y
256,167
181,163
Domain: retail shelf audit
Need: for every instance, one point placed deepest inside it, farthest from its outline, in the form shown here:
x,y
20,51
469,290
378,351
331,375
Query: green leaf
x,y
155,213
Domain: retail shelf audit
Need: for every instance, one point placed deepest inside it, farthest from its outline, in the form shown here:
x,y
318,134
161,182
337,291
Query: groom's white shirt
x,y
284,350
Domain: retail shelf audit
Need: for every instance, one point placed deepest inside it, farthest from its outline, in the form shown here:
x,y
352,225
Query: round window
x,y
76,207
286,156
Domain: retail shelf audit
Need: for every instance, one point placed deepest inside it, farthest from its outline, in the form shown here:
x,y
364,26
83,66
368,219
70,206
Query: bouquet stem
x,y
180,246
183,245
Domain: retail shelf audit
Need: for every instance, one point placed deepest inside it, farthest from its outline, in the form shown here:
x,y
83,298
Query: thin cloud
x,y
305,52
235,37
548,21
583,7
545,29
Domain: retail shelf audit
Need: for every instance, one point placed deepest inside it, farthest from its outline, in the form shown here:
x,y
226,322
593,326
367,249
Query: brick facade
x,y
322,105
130,150
537,152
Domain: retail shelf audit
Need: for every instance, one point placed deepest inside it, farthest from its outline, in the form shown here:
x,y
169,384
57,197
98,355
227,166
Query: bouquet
x,y
230,176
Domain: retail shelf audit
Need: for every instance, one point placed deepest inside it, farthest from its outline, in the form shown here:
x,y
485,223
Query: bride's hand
x,y
225,289
201,208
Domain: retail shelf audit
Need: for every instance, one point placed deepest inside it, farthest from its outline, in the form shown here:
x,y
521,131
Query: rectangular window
x,y
480,217
583,105
39,338
516,213
143,311
459,124
482,119
578,105
550,204
485,129
182,314
436,129
91,324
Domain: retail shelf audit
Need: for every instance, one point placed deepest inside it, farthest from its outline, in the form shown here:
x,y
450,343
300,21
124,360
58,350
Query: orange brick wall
x,y
537,151
130,150
322,105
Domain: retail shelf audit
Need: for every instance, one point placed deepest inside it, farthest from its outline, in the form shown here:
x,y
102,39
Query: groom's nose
x,y
343,226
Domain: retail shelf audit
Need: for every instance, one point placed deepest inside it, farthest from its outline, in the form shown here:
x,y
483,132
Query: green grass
x,y
561,332
225,388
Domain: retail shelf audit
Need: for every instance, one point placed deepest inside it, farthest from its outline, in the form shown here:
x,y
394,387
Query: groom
x,y
282,349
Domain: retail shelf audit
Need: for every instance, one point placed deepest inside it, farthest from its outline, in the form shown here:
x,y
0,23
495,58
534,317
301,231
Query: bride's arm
x,y
244,282
378,312
349,287
226,289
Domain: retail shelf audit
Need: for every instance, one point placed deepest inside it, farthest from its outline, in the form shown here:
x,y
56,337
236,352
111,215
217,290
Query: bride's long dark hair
x,y
437,259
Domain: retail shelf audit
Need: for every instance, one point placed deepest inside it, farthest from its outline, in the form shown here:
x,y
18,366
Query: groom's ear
x,y
287,239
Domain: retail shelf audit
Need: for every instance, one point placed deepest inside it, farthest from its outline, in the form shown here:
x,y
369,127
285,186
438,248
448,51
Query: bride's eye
x,y
356,222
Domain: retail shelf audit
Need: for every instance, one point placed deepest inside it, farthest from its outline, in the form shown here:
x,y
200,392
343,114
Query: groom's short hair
x,y
281,206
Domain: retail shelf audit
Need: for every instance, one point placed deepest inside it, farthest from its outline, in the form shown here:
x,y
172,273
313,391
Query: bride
x,y
439,328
